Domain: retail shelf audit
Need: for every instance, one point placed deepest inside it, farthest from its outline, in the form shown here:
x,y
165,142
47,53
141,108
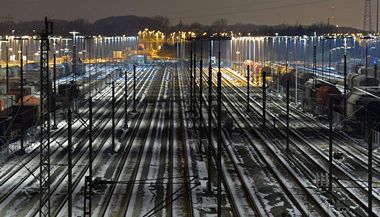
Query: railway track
x,y
117,204
180,148
129,163
159,166
104,160
305,150
239,201
58,156
260,147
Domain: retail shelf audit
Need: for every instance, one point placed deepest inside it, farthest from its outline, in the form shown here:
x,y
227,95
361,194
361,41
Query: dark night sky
x,y
345,12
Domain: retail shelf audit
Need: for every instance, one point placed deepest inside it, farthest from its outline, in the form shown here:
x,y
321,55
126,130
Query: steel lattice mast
x,y
367,16
45,121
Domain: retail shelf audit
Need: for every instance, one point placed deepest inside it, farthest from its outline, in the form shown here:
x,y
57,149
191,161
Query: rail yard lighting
x,y
6,63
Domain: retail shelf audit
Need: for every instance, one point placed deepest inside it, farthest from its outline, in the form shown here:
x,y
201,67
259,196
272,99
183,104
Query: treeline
x,y
263,30
130,25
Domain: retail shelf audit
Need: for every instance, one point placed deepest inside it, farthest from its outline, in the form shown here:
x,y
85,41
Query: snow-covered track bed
x,y
348,191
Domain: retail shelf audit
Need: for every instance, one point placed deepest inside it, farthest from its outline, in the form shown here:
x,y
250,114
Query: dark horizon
x,y
131,25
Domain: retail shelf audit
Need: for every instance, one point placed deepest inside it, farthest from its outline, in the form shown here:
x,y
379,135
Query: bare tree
x,y
219,25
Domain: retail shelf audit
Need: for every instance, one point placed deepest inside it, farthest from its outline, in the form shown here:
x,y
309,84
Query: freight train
x,y
361,104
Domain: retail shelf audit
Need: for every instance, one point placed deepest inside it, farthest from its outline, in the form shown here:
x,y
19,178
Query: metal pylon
x,y
367,16
45,121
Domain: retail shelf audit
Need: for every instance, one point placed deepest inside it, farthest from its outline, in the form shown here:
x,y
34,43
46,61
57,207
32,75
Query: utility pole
x,y
209,150
329,38
296,72
330,143
322,57
330,59
54,127
70,165
345,84
21,52
368,128
74,33
134,88
370,156
248,78
44,177
366,38
191,79
88,179
194,80
315,61
21,76
125,99
200,95
74,73
264,96
377,16
21,39
287,115
83,67
7,68
219,111
113,115
22,95
366,59
88,50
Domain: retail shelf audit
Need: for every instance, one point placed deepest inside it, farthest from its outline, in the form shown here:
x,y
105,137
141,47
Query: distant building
x,y
138,59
